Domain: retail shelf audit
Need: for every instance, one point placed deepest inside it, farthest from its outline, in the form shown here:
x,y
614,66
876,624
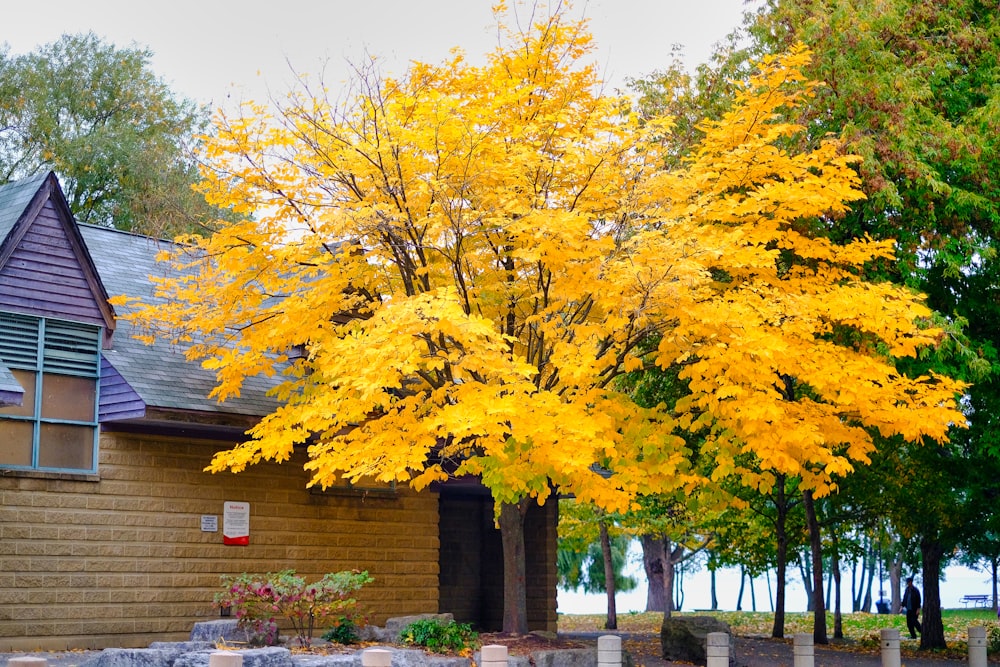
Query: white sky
x,y
217,51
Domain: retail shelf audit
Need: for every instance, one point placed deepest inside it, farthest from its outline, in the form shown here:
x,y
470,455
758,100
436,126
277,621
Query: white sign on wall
x,y
236,523
209,523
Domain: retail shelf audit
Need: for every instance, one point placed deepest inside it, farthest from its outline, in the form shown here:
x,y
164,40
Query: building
x,y
111,533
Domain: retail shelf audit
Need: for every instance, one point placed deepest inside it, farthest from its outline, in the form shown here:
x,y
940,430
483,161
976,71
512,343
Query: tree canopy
x,y
471,255
120,140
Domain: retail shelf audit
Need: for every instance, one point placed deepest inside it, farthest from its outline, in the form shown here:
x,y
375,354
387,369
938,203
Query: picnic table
x,y
975,600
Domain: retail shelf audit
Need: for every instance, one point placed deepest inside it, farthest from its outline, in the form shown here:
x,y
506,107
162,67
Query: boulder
x,y
133,657
683,639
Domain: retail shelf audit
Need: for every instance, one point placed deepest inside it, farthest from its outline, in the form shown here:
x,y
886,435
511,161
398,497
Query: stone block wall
x,y
122,560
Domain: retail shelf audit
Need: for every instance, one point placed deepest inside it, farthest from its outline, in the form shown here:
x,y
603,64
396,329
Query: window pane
x,y
15,442
68,397
66,446
27,408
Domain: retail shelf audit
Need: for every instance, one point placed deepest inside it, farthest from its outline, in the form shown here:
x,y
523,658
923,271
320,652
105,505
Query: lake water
x,y
958,581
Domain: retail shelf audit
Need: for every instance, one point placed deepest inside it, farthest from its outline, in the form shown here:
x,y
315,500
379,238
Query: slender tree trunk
x,y
829,592
838,620
993,573
867,606
668,577
807,582
739,597
895,575
653,558
609,575
816,547
932,634
715,597
515,596
781,565
753,596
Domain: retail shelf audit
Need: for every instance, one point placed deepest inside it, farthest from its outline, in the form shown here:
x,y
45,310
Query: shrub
x,y
438,637
344,631
258,599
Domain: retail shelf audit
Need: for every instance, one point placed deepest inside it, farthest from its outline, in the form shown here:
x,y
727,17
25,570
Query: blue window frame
x,y
58,365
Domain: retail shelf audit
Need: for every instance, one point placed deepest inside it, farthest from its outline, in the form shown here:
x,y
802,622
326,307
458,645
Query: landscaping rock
x,y
133,657
270,656
683,639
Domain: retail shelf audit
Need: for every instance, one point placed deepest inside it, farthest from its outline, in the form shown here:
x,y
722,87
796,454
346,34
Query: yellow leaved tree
x,y
469,257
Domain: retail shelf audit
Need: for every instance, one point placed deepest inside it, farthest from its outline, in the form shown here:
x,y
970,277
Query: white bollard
x,y
493,655
977,646
889,639
803,650
27,661
375,657
717,649
225,659
609,651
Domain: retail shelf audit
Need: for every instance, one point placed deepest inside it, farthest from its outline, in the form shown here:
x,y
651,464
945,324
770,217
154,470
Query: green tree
x,y
118,137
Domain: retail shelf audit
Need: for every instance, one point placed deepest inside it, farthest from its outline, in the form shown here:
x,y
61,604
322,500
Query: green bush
x,y
993,638
438,637
344,631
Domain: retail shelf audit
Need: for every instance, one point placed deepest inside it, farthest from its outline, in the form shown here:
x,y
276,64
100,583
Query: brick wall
x,y
123,561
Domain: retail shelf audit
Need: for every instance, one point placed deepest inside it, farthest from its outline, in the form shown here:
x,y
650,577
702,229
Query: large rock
x,y
225,630
134,657
393,626
683,639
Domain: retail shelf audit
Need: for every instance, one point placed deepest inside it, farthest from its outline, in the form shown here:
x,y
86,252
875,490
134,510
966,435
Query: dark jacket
x,y
911,598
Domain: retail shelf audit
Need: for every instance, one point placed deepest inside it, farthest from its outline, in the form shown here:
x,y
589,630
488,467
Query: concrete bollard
x,y
27,661
889,640
225,659
493,655
376,657
803,650
717,649
977,646
609,651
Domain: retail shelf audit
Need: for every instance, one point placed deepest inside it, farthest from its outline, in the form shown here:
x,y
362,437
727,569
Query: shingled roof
x,y
159,373
14,200
136,377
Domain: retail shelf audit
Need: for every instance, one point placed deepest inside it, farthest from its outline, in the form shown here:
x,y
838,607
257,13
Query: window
x,y
57,363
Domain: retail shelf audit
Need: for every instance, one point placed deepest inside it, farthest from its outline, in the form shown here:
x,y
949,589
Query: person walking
x,y
911,604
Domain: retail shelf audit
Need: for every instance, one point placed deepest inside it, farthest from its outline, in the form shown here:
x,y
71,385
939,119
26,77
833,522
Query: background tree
x,y
592,554
120,140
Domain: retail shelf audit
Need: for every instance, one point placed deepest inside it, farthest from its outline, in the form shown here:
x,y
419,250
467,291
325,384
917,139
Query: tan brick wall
x,y
123,561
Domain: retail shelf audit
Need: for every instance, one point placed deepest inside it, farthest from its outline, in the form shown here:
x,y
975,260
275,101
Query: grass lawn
x,y
861,630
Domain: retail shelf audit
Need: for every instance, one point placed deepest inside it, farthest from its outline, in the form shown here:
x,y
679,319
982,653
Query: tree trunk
x,y
668,577
932,634
816,548
806,572
781,557
838,620
993,573
609,575
895,575
653,558
515,595
715,597
739,597
867,606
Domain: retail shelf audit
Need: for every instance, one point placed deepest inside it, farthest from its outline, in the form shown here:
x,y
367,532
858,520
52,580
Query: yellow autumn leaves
x,y
472,256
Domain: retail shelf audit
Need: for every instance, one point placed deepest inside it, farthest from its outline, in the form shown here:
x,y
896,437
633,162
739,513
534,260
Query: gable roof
x,y
38,231
135,378
14,199
159,374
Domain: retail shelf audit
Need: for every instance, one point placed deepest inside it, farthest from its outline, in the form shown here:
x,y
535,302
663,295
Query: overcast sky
x,y
216,51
